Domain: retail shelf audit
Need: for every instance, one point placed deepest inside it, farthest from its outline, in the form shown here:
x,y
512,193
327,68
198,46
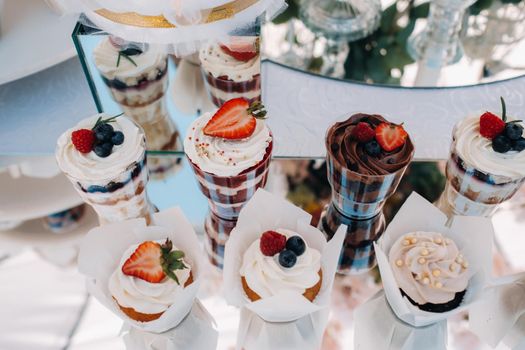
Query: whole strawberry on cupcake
x,y
281,261
148,279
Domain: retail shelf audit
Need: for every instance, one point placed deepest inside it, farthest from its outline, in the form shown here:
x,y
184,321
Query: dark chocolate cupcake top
x,y
349,152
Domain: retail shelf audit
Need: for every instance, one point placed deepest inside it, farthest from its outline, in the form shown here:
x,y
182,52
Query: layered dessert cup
x,y
486,165
232,70
136,75
363,174
358,255
230,154
366,158
104,157
281,261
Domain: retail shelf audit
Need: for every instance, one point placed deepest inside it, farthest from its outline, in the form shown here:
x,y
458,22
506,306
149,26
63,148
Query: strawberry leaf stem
x,y
172,260
257,110
503,109
104,121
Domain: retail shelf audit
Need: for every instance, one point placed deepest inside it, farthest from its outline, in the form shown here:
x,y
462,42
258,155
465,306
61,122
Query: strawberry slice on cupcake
x,y
235,120
152,268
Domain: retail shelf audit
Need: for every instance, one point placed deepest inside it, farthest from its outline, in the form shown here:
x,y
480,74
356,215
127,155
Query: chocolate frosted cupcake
x,y
366,158
430,270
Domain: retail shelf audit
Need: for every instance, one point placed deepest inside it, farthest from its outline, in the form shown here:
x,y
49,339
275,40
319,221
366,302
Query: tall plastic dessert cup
x,y
471,191
357,200
227,194
120,194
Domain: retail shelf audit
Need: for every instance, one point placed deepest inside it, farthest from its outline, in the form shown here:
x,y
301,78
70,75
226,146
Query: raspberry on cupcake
x,y
281,261
148,279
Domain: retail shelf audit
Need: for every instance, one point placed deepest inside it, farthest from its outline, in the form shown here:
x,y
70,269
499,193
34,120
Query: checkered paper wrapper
x,y
356,195
182,337
102,248
472,235
228,194
286,320
499,316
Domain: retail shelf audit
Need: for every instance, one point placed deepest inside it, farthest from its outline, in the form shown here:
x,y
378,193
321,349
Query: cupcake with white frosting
x,y
230,153
486,165
232,70
430,270
281,261
104,158
149,278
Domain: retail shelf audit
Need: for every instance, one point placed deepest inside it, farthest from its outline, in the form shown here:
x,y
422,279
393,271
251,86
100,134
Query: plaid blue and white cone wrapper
x,y
357,254
356,195
217,233
228,194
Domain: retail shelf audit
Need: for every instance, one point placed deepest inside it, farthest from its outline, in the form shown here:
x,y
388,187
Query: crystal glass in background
x,y
493,33
438,44
339,21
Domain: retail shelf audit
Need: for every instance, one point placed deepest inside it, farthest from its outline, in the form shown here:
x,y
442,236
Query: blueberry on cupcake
x,y
430,270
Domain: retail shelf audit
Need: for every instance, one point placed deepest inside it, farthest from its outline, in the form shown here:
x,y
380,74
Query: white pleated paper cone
x,y
102,249
472,235
378,328
499,315
286,311
196,331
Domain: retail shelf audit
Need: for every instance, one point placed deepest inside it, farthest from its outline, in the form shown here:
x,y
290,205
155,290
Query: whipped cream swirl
x,y
266,277
92,168
143,296
219,64
106,55
225,157
428,267
477,151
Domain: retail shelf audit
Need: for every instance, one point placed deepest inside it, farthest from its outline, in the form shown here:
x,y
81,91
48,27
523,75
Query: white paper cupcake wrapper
x,y
473,236
288,318
499,316
102,248
196,331
375,317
